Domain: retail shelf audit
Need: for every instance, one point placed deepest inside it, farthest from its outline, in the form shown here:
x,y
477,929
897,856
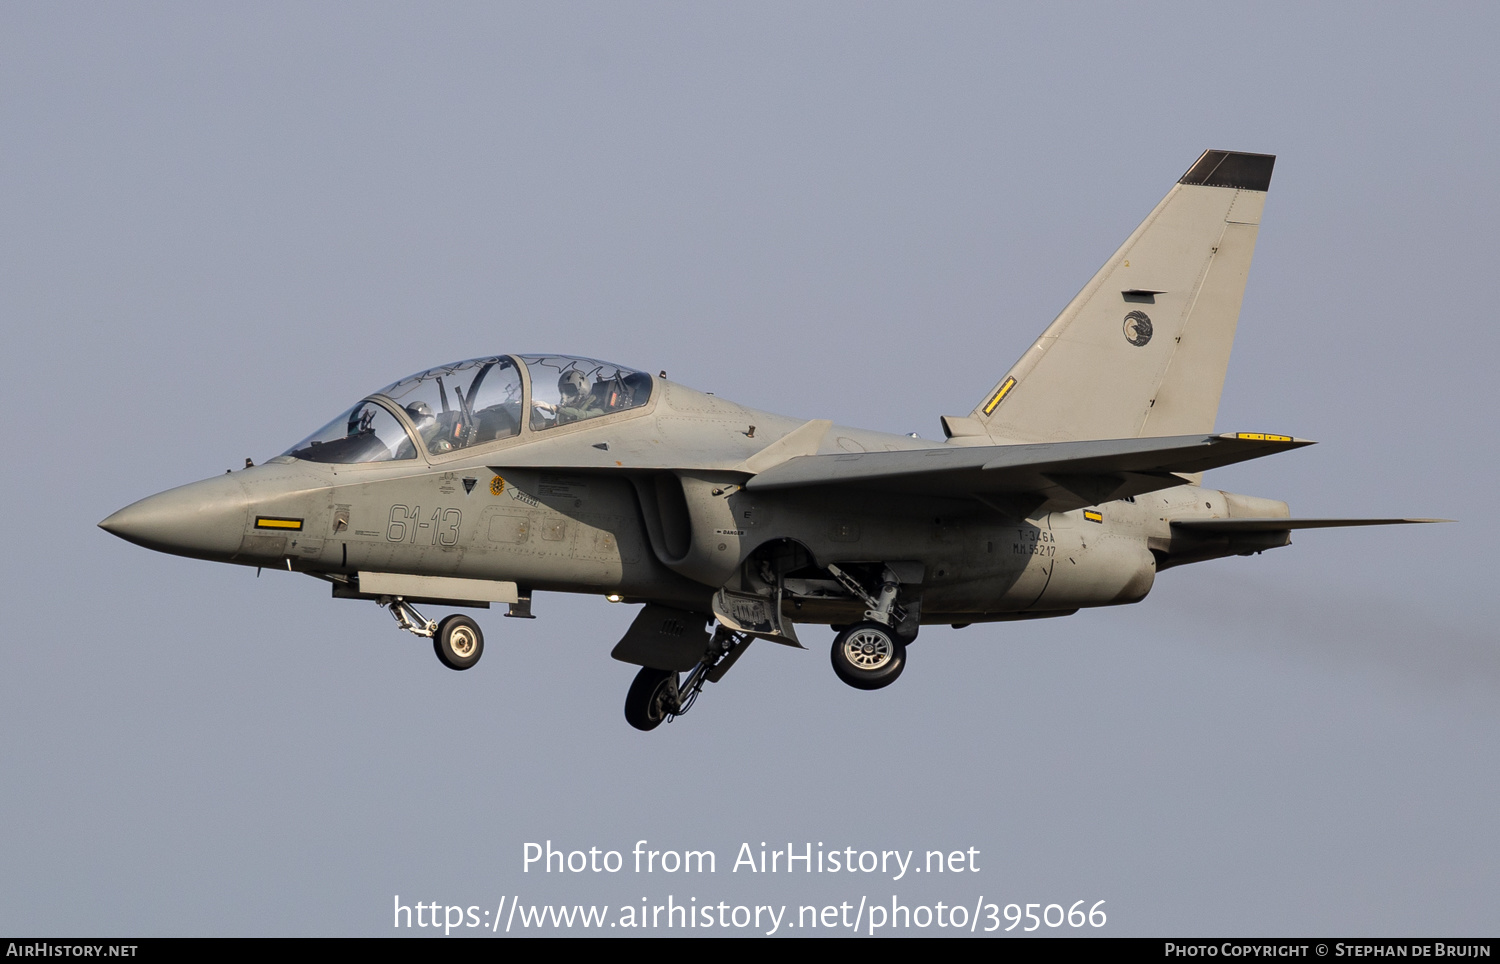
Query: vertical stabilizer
x,y
1142,349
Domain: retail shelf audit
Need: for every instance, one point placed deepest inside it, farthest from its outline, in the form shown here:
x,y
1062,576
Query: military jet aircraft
x,y
1074,481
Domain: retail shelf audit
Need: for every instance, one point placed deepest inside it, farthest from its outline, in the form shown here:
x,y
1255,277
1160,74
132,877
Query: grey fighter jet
x,y
1074,481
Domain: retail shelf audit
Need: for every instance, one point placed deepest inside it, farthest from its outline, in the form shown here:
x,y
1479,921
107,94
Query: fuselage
x,y
649,504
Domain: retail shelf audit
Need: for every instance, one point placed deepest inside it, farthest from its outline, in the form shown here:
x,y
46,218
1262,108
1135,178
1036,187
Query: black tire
x,y
458,642
868,656
645,704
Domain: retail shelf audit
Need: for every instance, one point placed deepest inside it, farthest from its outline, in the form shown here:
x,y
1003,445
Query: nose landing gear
x,y
457,640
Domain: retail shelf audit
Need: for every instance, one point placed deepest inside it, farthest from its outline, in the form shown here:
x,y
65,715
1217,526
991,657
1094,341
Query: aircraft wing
x,y
1068,474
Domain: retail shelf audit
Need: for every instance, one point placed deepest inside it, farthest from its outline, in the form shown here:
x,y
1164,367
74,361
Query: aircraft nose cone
x,y
205,520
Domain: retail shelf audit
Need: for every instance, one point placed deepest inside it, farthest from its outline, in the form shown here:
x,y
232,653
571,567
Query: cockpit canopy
x,y
474,402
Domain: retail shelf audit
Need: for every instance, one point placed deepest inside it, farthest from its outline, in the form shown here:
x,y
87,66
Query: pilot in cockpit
x,y
428,427
575,401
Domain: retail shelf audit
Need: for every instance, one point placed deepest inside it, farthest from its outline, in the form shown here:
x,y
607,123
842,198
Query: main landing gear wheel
x,y
649,701
458,642
868,656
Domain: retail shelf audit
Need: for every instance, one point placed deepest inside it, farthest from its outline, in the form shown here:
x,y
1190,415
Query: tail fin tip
x,y
1248,172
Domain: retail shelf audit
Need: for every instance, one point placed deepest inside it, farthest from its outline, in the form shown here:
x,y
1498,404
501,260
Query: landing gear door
x,y
755,615
664,638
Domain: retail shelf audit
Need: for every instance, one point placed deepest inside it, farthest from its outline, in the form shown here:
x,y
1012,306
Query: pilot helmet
x,y
572,384
420,413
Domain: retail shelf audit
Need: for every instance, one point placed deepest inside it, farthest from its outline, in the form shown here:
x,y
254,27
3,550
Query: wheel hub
x,y
462,642
868,650
661,702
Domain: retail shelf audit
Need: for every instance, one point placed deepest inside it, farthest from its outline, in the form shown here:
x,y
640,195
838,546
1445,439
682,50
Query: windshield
x,y
365,433
463,404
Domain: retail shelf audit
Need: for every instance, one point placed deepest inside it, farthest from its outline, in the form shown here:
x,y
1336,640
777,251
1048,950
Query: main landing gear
x,y
658,695
868,656
651,698
457,640
871,654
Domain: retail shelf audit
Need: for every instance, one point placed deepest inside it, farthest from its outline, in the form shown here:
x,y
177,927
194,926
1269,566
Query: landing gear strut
x,y
658,695
870,655
457,640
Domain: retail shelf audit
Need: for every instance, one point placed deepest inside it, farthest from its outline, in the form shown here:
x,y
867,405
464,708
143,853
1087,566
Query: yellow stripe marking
x,y
265,522
999,395
1093,516
1262,437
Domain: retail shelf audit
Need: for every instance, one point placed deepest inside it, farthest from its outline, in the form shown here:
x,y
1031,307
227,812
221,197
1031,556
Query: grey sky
x,y
225,224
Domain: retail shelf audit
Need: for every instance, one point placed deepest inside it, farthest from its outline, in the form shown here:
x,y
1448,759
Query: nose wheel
x,y
458,642
868,656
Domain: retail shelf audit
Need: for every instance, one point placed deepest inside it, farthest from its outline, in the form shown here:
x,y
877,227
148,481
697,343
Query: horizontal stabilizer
x,y
1285,525
1067,474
